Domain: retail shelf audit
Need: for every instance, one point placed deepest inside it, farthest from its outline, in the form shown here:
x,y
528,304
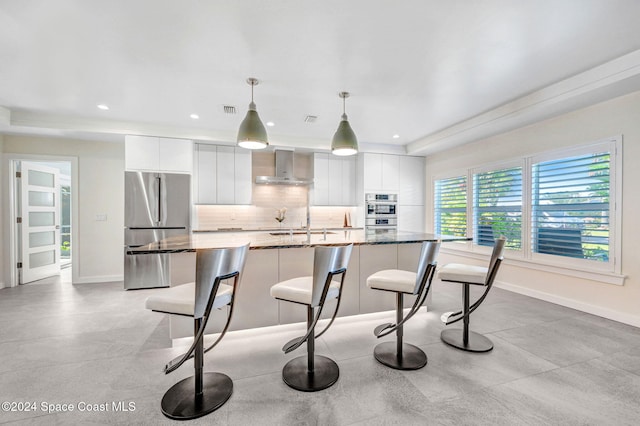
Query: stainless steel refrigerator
x,y
157,206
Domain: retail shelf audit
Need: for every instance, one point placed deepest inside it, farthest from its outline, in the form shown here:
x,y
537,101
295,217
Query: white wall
x,y
100,191
3,240
616,117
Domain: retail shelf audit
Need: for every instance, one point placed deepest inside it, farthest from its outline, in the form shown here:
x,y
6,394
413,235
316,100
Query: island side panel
x,y
254,305
408,257
183,271
298,263
374,258
293,263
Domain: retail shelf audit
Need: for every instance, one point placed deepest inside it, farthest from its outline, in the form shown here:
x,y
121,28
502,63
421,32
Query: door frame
x,y
9,213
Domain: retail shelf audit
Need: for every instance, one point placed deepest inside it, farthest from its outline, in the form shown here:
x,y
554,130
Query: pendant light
x,y
252,134
344,140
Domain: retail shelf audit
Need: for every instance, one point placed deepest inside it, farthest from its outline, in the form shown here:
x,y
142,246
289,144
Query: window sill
x,y
589,274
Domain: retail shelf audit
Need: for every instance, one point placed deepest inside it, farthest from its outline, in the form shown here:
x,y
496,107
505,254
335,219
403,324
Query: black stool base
x,y
477,342
296,375
180,403
412,357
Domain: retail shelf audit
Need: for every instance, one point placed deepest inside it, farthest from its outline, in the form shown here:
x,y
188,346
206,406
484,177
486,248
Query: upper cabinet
x,y
398,174
222,175
334,180
381,172
412,181
147,153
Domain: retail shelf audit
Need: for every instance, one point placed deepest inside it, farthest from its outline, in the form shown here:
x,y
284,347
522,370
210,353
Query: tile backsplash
x,y
267,199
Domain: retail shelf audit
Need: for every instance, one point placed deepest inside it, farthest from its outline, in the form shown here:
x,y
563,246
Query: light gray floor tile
x,y
571,340
451,373
628,360
592,392
96,343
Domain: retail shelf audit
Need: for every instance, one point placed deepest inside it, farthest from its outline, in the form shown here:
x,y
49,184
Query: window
x,y
570,207
555,208
497,207
451,206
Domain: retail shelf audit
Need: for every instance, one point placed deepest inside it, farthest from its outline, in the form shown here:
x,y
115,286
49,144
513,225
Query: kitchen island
x,y
289,254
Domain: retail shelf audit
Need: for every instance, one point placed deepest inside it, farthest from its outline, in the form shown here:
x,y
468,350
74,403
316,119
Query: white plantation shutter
x,y
497,207
451,206
570,206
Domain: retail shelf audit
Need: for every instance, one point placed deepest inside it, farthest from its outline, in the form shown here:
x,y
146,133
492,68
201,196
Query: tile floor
x,y
96,344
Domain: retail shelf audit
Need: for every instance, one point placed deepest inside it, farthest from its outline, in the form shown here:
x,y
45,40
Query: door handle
x,y
57,226
159,181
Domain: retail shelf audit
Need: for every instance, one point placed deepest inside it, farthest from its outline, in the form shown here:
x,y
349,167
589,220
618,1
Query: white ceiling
x,y
438,73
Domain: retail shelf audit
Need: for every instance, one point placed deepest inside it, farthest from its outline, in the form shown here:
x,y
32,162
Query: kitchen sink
x,y
299,232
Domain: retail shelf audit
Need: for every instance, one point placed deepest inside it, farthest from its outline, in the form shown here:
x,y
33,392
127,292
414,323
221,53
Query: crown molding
x,y
614,78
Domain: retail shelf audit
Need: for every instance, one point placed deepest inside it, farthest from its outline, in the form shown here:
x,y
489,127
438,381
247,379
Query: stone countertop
x,y
265,240
273,229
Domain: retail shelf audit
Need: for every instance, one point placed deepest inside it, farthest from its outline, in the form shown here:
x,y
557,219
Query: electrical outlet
x,y
101,217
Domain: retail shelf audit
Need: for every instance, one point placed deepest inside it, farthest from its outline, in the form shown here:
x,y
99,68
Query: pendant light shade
x,y
252,134
344,140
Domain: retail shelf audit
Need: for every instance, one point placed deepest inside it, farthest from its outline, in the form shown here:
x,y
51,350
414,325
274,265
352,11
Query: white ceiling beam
x,y
606,81
5,117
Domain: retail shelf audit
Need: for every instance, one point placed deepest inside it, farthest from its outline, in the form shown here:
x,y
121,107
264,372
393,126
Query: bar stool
x,y
312,372
470,275
399,355
201,393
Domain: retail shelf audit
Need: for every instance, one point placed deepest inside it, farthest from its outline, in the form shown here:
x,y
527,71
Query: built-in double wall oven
x,y
381,212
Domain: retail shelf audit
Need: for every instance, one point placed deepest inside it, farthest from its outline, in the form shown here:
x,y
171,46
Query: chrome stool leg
x,y
312,372
212,390
400,355
464,338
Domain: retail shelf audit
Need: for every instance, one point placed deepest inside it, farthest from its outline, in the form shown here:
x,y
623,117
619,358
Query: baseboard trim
x,y
600,311
99,279
2,284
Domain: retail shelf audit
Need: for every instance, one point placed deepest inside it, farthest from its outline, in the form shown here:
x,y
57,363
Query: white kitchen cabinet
x,y
390,173
225,169
148,153
141,153
176,155
348,191
411,218
205,177
222,175
320,179
243,183
372,169
381,173
334,180
412,177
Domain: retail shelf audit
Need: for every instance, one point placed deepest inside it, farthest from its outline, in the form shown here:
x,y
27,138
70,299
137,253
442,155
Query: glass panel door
x,y
40,211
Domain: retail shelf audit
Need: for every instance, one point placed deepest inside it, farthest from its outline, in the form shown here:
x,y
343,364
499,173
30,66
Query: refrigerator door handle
x,y
159,182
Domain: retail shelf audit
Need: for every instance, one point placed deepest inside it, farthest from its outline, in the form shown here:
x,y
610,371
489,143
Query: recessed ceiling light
x,y
270,123
396,136
103,107
194,116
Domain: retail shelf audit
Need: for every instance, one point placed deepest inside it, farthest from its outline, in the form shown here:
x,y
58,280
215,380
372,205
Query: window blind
x,y
451,206
497,207
570,207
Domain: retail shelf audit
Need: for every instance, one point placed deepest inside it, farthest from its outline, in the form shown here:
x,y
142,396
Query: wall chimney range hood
x,y
284,171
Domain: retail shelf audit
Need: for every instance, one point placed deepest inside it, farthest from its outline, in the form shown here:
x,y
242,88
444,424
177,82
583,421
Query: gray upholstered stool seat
x,y
180,300
314,372
400,355
201,393
469,275
300,290
462,273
